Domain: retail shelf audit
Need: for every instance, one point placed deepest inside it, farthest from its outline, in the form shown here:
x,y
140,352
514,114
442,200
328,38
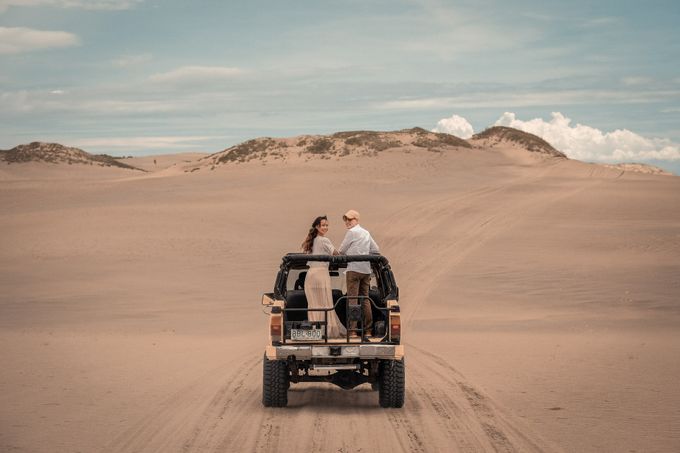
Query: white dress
x,y
319,291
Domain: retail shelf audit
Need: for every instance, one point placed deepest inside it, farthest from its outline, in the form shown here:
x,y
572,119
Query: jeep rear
x,y
300,351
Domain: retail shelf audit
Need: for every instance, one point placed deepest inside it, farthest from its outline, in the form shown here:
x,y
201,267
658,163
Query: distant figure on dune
x,y
358,241
318,289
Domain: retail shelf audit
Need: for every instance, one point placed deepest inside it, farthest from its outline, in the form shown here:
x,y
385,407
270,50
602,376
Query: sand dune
x,y
540,298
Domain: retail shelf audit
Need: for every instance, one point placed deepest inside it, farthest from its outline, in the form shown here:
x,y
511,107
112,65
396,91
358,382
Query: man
x,y
358,241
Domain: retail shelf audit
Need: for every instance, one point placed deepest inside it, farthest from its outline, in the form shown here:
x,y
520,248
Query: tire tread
x,y
392,383
275,383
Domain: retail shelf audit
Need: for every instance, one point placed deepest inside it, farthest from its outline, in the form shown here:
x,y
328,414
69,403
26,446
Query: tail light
x,y
275,325
395,327
395,320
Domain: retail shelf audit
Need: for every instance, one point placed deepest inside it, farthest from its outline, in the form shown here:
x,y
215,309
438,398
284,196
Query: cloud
x,y
634,81
536,16
455,125
197,74
14,40
135,143
33,102
577,142
601,22
106,5
448,41
502,99
131,60
451,28
590,144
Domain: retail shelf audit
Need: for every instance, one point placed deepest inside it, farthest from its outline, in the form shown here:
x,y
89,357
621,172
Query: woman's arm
x,y
330,248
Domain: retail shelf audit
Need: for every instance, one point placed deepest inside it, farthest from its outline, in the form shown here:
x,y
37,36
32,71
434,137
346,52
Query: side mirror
x,y
268,299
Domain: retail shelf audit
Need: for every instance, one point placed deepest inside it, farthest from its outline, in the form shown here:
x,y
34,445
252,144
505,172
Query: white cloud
x,y
634,81
531,99
197,74
30,102
418,104
590,144
14,40
109,5
449,29
135,143
126,106
131,60
455,125
577,142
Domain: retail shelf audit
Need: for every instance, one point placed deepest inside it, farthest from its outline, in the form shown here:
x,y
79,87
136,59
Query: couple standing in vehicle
x,y
318,290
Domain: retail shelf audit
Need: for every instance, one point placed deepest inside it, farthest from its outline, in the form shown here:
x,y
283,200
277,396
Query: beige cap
x,y
351,214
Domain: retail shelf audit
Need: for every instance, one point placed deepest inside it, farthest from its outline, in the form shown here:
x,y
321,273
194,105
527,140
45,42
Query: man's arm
x,y
346,243
374,249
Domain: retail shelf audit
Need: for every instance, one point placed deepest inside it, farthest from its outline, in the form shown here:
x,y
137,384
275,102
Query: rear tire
x,y
392,382
275,383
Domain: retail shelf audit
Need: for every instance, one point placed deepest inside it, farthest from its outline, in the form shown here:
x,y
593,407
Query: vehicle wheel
x,y
275,383
392,382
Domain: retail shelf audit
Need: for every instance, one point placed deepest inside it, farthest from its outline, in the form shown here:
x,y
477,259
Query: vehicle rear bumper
x,y
361,351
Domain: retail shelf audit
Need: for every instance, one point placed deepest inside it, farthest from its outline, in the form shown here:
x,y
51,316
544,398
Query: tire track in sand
x,y
214,427
463,227
222,411
493,427
443,412
191,415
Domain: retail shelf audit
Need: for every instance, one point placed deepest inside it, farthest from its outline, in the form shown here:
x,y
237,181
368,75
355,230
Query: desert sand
x,y
541,299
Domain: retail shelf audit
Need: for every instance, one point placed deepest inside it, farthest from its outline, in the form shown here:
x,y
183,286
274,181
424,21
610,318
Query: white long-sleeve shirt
x,y
321,246
358,241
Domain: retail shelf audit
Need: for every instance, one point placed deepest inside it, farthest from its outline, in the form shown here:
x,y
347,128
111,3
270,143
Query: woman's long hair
x,y
313,233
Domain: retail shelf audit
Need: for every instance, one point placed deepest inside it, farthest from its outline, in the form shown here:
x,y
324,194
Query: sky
x,y
140,77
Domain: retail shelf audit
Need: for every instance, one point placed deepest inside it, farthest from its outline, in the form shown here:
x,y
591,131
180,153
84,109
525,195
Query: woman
x,y
318,282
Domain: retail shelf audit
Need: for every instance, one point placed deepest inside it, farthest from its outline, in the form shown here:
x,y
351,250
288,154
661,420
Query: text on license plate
x,y
306,334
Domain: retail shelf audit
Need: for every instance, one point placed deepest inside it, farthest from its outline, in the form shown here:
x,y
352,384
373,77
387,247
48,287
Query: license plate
x,y
306,334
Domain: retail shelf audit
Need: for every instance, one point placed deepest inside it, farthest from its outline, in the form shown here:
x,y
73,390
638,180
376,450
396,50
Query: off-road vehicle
x,y
300,351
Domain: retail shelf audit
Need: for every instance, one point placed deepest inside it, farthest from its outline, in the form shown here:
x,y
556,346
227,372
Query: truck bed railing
x,y
353,312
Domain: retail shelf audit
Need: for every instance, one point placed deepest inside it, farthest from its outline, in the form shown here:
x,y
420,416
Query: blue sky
x,y
151,76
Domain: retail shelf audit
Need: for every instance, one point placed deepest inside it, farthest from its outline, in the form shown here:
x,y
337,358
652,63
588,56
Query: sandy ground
x,y
161,162
540,298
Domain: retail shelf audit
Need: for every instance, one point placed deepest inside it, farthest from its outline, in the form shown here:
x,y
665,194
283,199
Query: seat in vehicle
x,y
296,299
